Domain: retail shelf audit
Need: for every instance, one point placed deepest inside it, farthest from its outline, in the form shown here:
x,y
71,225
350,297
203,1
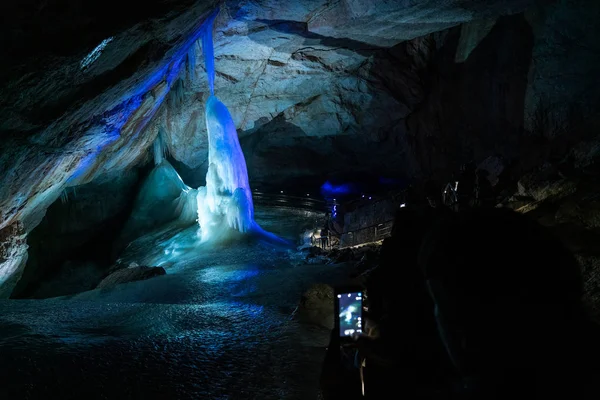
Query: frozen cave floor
x,y
218,325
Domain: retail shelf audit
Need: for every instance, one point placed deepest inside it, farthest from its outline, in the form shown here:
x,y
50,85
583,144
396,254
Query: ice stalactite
x,y
176,93
209,53
159,147
64,196
225,203
68,194
191,62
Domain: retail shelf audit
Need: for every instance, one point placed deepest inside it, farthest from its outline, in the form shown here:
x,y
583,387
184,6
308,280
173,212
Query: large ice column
x,y
227,198
226,201
225,204
224,152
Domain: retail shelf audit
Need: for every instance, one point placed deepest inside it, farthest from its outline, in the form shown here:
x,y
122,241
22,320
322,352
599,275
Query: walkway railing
x,y
284,200
368,234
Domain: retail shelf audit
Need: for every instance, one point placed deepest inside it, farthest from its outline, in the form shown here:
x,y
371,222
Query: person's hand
x,y
360,341
371,347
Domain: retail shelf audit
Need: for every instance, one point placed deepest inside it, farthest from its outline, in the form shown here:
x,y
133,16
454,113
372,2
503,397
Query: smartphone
x,y
349,312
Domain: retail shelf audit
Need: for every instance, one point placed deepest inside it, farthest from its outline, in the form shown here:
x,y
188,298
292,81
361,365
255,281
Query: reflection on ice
x,y
217,323
228,274
176,248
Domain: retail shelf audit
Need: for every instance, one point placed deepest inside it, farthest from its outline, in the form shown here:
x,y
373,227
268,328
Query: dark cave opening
x,y
78,232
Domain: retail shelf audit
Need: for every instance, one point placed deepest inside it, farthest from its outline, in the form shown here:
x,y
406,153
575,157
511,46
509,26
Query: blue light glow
x,y
208,51
329,189
121,114
172,66
106,138
221,274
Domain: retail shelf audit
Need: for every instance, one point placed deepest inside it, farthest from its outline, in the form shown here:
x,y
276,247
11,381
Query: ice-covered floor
x,y
217,326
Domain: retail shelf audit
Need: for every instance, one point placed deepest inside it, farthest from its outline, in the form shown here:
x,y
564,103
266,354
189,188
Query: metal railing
x,y
285,200
383,230
368,234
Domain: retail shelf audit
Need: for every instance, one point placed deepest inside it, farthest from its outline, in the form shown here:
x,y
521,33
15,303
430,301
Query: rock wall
x,y
474,108
316,88
562,101
307,105
13,256
77,230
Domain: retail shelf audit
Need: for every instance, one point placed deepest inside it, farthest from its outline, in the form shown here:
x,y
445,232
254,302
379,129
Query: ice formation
x,y
209,53
226,201
163,198
224,207
227,198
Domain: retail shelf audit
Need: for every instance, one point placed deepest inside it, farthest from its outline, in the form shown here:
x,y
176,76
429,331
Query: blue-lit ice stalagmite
x,y
163,199
225,203
226,200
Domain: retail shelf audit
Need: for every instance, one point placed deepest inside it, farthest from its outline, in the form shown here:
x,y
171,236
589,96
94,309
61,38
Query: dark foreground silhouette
x,y
480,304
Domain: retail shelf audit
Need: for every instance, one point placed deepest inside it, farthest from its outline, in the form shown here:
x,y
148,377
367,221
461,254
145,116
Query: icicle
x,y
176,93
209,54
191,62
64,196
159,147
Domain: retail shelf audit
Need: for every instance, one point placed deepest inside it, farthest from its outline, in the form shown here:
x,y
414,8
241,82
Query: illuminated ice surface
x,y
163,198
225,204
226,201
217,326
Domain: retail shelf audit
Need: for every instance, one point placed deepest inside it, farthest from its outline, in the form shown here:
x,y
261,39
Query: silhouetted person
x,y
508,307
340,377
450,197
408,357
324,237
432,194
485,191
466,185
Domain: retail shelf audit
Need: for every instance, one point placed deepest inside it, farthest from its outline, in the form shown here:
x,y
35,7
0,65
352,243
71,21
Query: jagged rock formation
x,y
313,86
81,226
13,256
316,305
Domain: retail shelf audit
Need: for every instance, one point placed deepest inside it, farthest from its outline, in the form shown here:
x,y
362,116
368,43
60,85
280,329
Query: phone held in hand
x,y
348,312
